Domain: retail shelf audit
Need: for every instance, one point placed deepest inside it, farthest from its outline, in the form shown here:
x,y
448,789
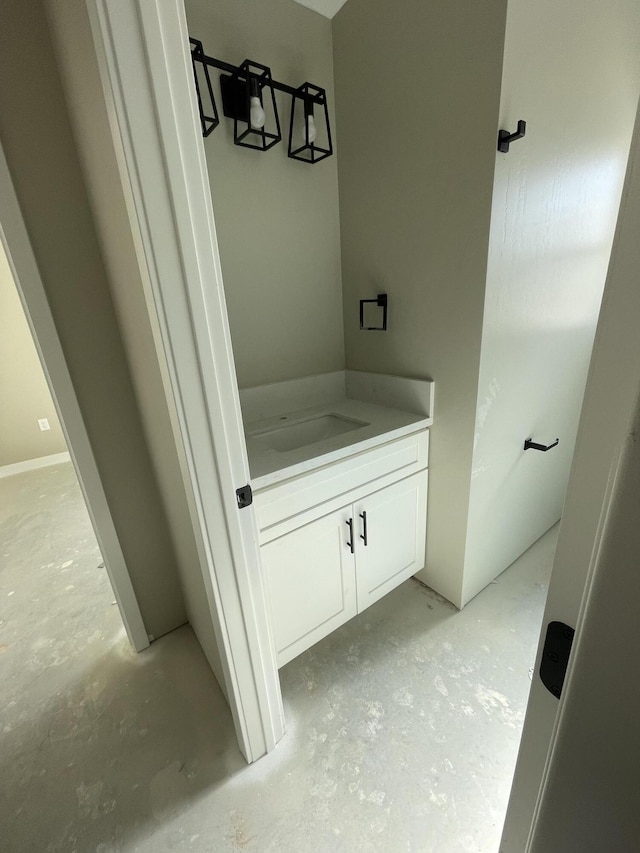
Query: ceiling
x,y
328,8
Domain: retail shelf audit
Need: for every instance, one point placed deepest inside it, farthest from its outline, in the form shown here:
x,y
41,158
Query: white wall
x,y
277,219
24,393
417,96
572,71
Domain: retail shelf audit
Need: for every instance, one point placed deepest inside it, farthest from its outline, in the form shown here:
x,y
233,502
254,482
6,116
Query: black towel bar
x,y
529,444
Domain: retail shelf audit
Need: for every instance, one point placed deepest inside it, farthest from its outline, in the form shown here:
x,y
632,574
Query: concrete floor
x,y
403,726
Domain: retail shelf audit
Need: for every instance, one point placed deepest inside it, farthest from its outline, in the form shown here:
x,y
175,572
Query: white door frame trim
x,y
26,275
142,50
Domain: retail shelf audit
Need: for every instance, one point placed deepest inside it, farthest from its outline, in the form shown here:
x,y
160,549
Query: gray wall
x,y
417,97
41,153
277,219
24,394
137,319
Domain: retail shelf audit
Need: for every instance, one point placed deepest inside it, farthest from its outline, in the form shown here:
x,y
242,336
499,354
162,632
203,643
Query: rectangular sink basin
x,y
301,433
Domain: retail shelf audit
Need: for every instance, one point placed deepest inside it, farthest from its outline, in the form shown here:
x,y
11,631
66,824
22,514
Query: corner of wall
x,y
415,210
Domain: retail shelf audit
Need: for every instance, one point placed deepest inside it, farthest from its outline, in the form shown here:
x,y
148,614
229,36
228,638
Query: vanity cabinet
x,y
344,551
395,522
311,583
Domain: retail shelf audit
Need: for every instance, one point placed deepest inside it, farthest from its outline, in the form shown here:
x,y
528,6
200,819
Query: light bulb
x,y
256,113
311,129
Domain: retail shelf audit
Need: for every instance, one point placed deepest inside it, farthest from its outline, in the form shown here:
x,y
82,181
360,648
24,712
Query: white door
x,y
311,585
612,387
390,541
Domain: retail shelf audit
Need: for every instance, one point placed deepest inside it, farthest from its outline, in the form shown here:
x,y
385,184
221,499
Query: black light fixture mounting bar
x,y
212,62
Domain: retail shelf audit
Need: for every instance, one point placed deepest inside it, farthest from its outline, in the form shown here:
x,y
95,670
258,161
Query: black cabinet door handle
x,y
350,544
529,444
363,535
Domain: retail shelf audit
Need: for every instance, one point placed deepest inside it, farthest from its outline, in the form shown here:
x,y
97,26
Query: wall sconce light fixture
x,y
209,119
309,131
248,97
245,95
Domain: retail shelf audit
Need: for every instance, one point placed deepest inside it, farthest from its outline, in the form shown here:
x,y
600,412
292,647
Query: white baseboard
x,y
32,464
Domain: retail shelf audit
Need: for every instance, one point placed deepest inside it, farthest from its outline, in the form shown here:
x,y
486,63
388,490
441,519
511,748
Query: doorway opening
x,y
492,702
410,683
99,741
539,328
29,305
57,599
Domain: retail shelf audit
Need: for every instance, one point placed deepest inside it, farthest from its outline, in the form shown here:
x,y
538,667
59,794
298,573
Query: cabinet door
x,y
311,581
396,524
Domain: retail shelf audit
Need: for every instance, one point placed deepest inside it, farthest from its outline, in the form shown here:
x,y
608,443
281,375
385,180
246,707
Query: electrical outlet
x,y
43,423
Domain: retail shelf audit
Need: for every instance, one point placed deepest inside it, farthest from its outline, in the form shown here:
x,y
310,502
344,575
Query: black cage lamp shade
x,y
249,99
209,119
309,131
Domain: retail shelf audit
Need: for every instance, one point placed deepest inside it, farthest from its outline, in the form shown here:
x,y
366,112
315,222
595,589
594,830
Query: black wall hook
x,y
505,138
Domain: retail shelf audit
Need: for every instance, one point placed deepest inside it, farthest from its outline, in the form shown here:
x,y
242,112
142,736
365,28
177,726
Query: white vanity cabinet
x,y
395,521
311,583
336,539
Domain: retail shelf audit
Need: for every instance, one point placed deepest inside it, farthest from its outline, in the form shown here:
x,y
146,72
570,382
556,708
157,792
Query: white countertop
x,y
383,423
